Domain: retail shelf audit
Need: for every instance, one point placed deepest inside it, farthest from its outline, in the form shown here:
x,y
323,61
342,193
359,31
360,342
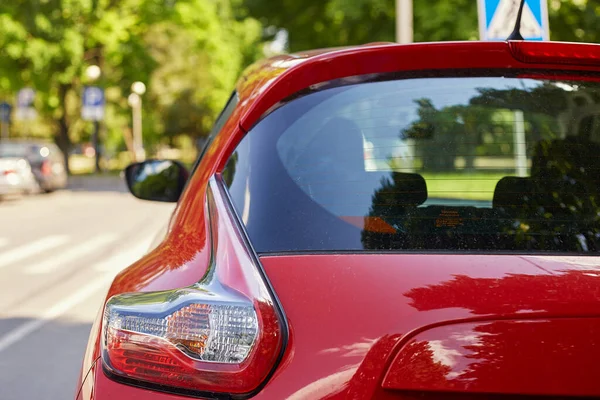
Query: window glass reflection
x,y
458,163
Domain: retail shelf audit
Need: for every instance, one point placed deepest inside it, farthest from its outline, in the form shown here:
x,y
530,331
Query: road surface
x,y
58,253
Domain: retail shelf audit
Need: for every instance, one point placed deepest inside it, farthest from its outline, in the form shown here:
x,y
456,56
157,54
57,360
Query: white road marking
x,y
53,312
72,254
110,266
31,249
123,259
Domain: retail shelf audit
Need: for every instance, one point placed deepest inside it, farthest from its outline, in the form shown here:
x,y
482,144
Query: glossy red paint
x,y
183,256
348,314
557,53
544,356
231,267
286,76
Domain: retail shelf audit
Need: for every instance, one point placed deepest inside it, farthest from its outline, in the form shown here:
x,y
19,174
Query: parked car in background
x,y
461,261
46,160
16,176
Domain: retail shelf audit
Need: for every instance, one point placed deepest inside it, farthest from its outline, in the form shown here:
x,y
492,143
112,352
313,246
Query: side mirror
x,y
156,180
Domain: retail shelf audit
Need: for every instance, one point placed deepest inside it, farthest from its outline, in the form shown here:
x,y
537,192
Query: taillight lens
x,y
46,167
172,338
11,176
555,52
205,331
222,335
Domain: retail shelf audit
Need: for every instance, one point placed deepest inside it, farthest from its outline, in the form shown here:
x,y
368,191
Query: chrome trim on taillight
x,y
208,339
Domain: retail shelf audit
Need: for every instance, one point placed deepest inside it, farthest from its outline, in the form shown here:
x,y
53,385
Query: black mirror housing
x,y
156,180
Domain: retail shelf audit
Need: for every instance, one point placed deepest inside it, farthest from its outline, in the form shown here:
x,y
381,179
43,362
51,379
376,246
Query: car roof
x,y
27,142
266,83
259,73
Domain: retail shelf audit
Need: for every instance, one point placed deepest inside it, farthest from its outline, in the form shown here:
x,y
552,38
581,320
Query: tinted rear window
x,y
473,164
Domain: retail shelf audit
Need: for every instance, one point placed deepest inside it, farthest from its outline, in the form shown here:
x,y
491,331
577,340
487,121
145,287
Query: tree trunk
x,y
63,141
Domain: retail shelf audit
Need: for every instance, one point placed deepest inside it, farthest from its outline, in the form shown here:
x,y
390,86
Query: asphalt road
x,y
58,253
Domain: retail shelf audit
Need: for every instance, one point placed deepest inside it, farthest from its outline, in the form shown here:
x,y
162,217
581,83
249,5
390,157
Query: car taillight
x,y
46,167
222,335
9,171
555,52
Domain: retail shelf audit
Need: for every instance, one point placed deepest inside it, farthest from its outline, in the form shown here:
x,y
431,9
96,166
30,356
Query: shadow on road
x,y
44,364
95,183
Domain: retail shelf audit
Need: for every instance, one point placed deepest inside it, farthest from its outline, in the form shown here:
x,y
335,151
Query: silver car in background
x,y
46,161
16,177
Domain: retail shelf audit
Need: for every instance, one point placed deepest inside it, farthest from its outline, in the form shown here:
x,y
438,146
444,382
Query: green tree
x,y
48,44
574,21
200,52
435,132
188,52
327,23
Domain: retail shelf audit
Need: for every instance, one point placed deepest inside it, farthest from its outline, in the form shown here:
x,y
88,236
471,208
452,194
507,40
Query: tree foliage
x,y
327,23
188,52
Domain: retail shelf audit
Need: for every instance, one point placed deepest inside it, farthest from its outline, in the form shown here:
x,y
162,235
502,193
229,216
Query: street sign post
x,y
497,19
92,109
93,104
5,110
25,109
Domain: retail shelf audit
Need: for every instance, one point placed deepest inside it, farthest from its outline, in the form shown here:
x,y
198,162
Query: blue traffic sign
x,y
93,96
93,103
497,19
5,110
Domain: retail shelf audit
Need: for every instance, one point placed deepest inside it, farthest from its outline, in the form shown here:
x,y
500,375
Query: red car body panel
x,y
349,315
354,319
555,357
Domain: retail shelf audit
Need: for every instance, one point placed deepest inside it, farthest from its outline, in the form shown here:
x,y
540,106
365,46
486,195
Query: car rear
x,y
48,165
426,233
16,176
455,254
46,161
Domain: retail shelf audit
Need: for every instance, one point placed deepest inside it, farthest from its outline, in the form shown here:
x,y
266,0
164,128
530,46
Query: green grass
x,y
109,172
81,165
469,186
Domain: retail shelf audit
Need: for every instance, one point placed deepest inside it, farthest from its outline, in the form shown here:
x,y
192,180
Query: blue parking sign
x,y
5,110
93,103
93,96
497,19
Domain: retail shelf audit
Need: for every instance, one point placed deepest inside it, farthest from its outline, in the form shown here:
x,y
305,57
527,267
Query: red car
x,y
383,221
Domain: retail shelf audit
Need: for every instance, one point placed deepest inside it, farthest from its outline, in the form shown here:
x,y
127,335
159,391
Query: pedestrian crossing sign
x,y
497,19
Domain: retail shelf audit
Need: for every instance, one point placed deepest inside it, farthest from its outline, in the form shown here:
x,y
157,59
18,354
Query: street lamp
x,y
93,72
404,21
138,87
135,101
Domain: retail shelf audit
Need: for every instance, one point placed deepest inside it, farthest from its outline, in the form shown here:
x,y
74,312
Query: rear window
x,y
464,164
35,152
13,150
